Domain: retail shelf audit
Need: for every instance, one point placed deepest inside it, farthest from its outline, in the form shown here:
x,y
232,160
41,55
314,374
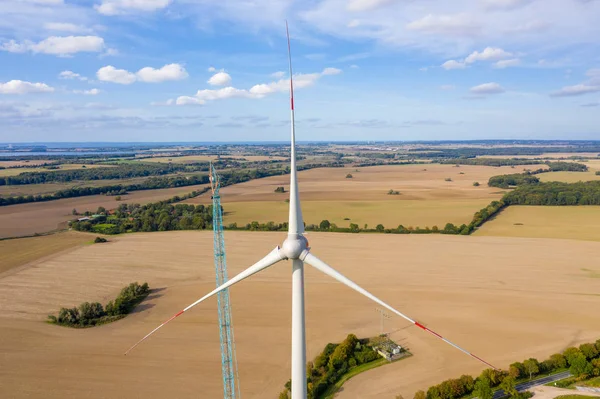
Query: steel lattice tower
x,y
231,388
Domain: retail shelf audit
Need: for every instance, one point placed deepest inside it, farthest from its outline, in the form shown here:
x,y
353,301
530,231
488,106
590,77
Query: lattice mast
x,y
231,388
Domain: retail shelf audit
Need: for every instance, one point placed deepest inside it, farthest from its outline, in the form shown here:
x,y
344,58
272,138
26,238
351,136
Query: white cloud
x,y
57,45
186,100
168,72
507,63
456,24
256,91
331,71
592,85
453,64
66,27
21,87
212,69
219,79
278,74
487,88
115,7
367,5
91,92
576,90
353,24
488,54
111,74
354,66
71,75
148,74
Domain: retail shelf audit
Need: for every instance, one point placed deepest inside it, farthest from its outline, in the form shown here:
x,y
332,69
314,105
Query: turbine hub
x,y
293,246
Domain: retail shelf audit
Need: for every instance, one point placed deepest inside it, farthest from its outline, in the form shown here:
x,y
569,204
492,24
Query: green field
x,y
572,222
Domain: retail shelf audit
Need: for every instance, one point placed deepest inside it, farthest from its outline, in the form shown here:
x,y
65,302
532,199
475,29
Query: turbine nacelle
x,y
295,246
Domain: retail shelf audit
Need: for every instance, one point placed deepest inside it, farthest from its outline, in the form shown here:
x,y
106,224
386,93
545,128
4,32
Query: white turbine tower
x,y
295,248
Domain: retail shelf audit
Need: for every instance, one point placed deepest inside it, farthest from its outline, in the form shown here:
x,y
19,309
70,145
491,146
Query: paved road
x,y
530,384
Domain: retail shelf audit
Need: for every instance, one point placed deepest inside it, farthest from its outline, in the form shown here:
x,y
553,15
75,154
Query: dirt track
x,y
505,299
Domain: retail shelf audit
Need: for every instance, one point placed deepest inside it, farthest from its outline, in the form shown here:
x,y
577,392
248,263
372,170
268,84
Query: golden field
x,y
425,199
573,222
505,299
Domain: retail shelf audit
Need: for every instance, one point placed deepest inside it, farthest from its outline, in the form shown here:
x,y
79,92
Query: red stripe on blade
x,y
421,326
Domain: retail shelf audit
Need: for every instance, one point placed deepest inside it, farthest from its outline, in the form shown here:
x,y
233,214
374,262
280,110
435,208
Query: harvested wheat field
x,y
39,217
573,222
477,291
569,177
25,250
425,198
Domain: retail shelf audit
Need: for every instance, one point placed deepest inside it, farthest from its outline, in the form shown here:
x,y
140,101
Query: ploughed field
x,y
505,299
425,199
39,217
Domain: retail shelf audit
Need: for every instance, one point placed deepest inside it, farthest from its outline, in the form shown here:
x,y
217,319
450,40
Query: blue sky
x,y
206,70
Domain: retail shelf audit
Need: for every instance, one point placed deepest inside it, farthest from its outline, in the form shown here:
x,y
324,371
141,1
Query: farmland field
x,y
47,188
39,217
415,213
466,288
425,198
17,171
574,222
569,177
19,252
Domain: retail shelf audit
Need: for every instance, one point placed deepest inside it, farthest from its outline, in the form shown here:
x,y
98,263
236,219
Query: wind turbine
x,y
295,248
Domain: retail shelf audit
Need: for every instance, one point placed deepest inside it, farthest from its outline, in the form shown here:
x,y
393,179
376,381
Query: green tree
x,y
580,365
589,351
508,385
419,395
324,225
380,228
516,370
476,184
349,176
532,367
483,388
558,361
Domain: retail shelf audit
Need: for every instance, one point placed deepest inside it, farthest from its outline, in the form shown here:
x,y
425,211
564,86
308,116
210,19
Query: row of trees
x,y
91,314
583,362
335,361
466,152
120,171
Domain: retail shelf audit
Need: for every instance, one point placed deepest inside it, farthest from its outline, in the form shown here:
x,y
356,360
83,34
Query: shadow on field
x,y
144,305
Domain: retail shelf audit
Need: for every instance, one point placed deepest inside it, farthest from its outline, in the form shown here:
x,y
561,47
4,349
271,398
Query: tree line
x,y
121,171
92,314
466,152
331,364
583,362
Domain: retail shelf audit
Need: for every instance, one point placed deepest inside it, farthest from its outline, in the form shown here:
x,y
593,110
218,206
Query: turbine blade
x,y
269,260
296,222
325,268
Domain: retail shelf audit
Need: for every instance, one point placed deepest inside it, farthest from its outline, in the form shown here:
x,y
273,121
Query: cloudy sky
x,y
216,70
